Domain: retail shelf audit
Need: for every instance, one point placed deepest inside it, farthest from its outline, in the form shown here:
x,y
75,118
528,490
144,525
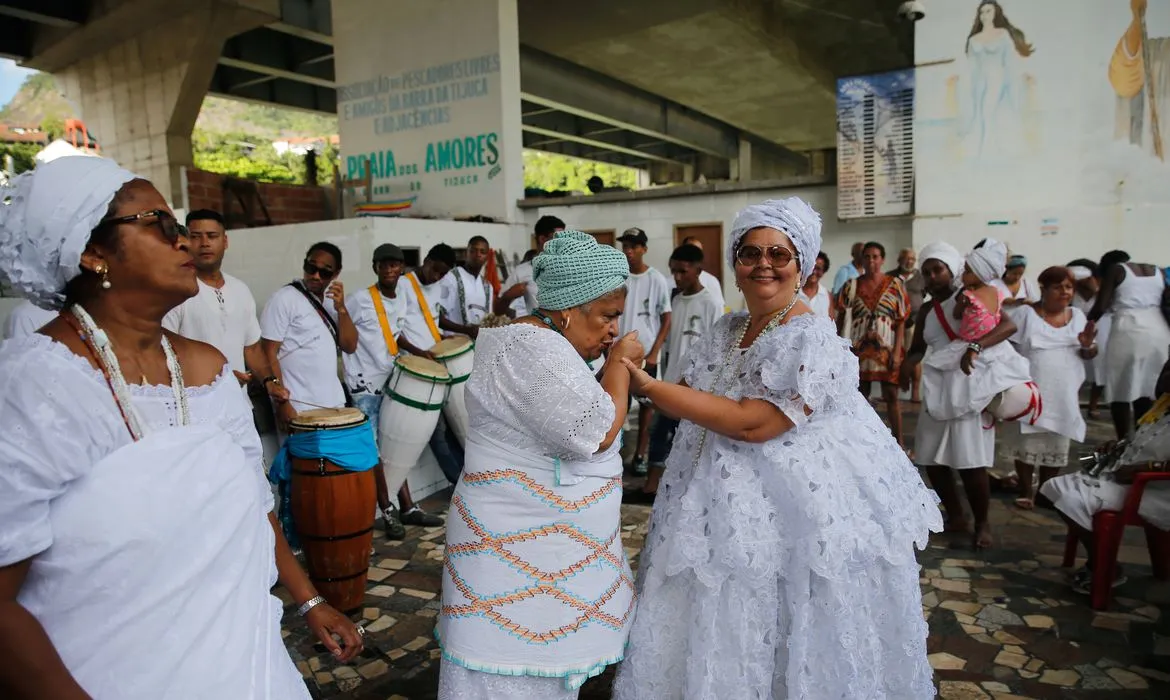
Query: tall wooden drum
x,y
333,513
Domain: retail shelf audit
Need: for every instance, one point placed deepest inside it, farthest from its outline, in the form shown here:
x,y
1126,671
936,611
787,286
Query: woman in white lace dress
x,y
780,561
537,592
138,547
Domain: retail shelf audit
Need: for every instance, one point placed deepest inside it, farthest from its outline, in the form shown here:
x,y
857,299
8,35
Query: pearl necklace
x,y
717,386
113,371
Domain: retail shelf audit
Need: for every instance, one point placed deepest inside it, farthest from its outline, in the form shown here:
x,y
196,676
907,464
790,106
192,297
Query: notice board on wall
x,y
875,145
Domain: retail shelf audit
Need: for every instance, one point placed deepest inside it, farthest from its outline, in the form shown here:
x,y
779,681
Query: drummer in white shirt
x,y
304,328
368,368
223,312
26,318
709,281
467,296
422,330
520,285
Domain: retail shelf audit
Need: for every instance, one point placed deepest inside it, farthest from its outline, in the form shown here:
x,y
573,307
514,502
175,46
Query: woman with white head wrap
x,y
138,545
780,561
960,443
1087,282
537,592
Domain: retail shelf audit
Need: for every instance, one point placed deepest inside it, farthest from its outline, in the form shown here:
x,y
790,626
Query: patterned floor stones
x,y
1004,624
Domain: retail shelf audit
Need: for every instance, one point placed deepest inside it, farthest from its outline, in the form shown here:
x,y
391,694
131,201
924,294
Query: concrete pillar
x,y
745,160
429,96
140,96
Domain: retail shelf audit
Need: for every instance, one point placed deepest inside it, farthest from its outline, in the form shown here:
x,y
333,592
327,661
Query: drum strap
x,y
426,307
380,309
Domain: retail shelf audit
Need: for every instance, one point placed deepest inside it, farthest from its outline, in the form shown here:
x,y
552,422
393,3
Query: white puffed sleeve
x,y
803,366
711,349
57,424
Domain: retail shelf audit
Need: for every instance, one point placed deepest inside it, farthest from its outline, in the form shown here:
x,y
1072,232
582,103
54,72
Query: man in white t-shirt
x,y
304,328
368,368
647,311
546,227
709,281
694,311
223,312
26,318
467,296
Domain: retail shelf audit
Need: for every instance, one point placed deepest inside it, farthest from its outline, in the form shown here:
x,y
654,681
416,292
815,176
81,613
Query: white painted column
x,y
429,95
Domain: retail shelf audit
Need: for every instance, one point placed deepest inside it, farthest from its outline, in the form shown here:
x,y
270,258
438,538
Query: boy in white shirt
x,y
368,368
709,281
647,311
514,295
694,311
467,295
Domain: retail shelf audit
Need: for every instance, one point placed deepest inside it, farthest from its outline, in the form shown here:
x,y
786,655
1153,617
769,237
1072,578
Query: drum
x,y
411,400
1021,402
458,355
333,512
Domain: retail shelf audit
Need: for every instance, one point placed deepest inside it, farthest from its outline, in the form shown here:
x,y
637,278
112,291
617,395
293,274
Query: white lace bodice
x,y
530,389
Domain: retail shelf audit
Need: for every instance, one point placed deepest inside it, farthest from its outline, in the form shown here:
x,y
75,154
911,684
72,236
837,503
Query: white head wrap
x,y
46,218
800,222
1080,273
989,261
945,253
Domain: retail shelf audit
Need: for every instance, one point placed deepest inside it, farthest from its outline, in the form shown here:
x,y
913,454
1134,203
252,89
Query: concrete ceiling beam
x,y
276,72
761,19
597,144
582,130
308,19
558,84
52,13
136,17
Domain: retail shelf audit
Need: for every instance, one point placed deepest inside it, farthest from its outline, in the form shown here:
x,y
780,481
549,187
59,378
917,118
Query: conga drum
x,y
458,355
333,513
411,400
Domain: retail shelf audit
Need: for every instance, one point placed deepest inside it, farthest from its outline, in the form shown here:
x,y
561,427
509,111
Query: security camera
x,y
911,11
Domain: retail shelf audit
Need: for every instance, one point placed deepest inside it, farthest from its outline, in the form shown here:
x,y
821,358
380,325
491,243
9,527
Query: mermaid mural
x,y
994,110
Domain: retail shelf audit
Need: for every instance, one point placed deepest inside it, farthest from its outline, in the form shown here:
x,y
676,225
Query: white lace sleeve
x,y
236,420
803,364
57,423
710,349
538,381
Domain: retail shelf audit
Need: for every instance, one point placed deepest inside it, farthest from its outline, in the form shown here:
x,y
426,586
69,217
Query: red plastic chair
x,y
1108,528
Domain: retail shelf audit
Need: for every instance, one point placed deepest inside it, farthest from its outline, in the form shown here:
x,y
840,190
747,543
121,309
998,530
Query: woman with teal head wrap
x,y
534,534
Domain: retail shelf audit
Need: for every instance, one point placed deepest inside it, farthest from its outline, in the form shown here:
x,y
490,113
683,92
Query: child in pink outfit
x,y
965,376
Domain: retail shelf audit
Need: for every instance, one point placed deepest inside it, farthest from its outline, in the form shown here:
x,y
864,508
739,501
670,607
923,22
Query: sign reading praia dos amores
x,y
420,103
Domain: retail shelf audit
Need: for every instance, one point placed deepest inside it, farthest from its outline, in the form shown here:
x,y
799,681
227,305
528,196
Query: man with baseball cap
x,y
380,315
647,311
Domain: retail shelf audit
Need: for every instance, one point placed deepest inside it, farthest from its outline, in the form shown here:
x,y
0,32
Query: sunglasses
x,y
751,255
170,228
324,273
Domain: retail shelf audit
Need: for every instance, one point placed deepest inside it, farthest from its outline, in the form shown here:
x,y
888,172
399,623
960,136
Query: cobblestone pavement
x,y
1004,624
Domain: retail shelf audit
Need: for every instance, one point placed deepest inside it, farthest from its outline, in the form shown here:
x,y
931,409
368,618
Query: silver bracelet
x,y
309,605
975,348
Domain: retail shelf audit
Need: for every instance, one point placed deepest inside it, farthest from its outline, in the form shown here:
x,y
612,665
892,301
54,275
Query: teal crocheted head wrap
x,y
575,269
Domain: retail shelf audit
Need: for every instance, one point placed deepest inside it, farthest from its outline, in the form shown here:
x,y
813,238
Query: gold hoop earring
x,y
105,273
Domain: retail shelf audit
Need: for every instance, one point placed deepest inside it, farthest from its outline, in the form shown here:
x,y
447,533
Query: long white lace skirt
x,y
459,683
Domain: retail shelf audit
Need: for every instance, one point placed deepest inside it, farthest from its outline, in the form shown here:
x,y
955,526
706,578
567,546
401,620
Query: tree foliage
x,y
550,171
23,156
242,155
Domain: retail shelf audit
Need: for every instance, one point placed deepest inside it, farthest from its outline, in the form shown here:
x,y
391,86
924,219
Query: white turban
x,y
46,218
800,222
945,253
1080,273
989,261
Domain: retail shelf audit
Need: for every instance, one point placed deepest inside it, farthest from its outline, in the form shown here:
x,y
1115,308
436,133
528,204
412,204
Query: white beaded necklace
x,y
717,386
109,362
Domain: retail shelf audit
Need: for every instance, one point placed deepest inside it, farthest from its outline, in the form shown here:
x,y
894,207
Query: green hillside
x,y
235,138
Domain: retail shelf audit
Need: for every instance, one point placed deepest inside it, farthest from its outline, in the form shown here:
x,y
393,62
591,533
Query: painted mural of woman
x,y
993,115
1139,72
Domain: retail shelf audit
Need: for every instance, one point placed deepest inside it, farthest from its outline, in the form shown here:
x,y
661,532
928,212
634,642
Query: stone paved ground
x,y
1004,624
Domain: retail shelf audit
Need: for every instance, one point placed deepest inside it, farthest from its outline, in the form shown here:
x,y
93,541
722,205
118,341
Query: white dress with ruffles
x,y
537,591
152,561
784,569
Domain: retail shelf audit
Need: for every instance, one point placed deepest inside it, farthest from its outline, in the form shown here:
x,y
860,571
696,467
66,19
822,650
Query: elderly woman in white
x,y
537,592
780,561
138,546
